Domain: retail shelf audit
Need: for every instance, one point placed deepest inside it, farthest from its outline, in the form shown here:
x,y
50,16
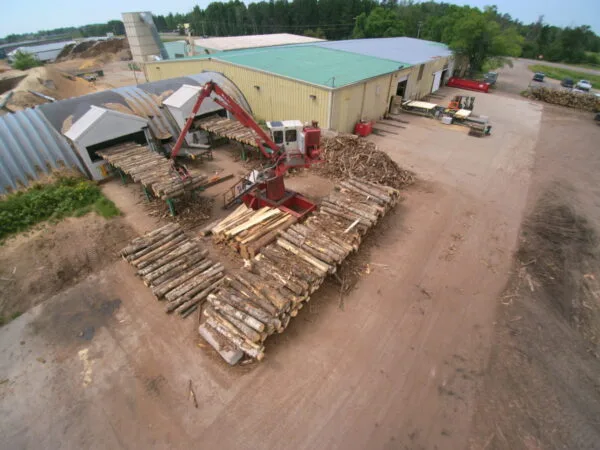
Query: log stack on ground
x,y
347,156
564,97
247,230
231,129
175,267
260,299
152,170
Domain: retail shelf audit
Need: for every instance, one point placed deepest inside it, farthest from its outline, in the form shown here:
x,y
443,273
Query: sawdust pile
x,y
94,49
587,102
50,82
347,155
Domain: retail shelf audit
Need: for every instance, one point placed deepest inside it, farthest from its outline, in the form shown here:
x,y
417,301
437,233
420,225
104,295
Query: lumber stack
x,y
175,267
260,299
347,155
231,129
564,97
247,231
151,169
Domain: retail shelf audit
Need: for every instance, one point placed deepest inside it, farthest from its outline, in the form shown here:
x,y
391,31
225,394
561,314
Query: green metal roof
x,y
312,64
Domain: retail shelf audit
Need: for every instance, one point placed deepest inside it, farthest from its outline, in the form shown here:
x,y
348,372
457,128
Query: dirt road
x,y
398,363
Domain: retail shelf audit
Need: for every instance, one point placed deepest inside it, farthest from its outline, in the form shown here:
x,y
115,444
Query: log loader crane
x,y
289,145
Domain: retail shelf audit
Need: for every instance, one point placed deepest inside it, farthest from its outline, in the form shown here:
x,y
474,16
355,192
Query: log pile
x,y
259,300
151,169
175,267
564,97
347,155
247,231
228,128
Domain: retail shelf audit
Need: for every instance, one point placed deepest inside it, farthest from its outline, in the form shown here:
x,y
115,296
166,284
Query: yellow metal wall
x,y
275,99
368,101
419,88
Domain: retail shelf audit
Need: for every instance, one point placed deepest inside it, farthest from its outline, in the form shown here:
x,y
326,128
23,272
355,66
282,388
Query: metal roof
x,y
253,41
404,50
41,48
312,64
31,141
95,114
30,146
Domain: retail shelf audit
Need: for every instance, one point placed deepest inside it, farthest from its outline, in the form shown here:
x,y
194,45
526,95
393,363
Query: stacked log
x,y
231,129
260,299
346,156
152,170
247,231
565,97
175,268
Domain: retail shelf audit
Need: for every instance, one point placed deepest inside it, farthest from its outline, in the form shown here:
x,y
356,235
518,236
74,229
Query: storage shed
x,y
102,128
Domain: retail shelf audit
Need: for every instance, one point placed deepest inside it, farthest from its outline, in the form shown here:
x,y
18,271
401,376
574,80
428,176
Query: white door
x,y
437,79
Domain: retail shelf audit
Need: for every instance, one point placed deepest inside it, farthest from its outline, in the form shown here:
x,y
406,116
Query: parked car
x,y
491,77
538,76
584,85
568,83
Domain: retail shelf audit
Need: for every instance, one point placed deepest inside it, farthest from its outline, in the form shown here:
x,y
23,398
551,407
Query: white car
x,y
584,85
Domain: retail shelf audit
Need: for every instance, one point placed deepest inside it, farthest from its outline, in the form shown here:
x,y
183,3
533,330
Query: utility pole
x,y
420,24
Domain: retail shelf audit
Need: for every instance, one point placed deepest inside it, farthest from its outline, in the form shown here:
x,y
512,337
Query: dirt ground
x,y
49,259
426,352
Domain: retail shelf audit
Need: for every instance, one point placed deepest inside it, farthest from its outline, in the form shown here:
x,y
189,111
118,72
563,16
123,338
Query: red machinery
x,y
265,187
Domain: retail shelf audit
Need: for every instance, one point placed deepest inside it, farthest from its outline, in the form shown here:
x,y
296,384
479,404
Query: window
x,y
421,69
278,137
290,136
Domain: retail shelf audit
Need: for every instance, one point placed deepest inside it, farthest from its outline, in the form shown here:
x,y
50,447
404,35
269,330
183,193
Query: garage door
x,y
437,79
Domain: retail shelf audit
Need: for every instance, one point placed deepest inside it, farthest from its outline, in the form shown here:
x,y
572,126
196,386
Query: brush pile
x,y
247,231
563,97
152,170
347,155
174,267
261,298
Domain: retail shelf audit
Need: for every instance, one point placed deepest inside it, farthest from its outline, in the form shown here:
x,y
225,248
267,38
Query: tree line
x,y
94,29
485,36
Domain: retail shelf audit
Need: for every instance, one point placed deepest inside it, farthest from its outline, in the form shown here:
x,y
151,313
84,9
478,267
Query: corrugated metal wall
x,y
275,98
30,146
417,89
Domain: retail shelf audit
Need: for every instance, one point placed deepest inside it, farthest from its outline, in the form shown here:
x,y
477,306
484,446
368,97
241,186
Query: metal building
x,y
44,52
66,133
226,43
336,83
143,38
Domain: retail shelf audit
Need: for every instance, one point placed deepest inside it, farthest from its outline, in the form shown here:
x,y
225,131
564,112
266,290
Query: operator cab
x,y
288,134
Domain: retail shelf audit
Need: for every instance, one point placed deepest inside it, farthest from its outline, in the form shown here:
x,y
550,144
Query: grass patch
x,y
559,73
67,196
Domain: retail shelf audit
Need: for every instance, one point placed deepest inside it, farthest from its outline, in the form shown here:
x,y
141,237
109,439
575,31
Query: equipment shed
x,y
101,128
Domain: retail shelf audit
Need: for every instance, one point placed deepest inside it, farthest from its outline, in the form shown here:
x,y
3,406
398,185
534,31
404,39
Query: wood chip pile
x,y
151,169
247,231
563,97
347,155
228,128
174,267
260,299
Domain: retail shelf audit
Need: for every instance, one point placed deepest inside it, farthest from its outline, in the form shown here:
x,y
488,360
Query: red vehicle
x,y
290,145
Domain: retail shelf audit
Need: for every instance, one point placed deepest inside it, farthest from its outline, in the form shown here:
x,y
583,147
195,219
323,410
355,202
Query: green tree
x,y
318,33
24,61
380,22
479,38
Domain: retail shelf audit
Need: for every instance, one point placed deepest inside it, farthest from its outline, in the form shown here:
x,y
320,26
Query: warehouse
x,y
227,43
336,83
43,52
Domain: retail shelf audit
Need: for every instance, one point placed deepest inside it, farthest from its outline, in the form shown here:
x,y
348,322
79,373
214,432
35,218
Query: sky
x,y
33,15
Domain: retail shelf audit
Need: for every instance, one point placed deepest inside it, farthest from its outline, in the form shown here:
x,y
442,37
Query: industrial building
x,y
227,43
337,83
68,133
43,52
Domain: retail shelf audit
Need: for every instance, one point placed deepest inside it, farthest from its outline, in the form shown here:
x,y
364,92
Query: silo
x,y
143,37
